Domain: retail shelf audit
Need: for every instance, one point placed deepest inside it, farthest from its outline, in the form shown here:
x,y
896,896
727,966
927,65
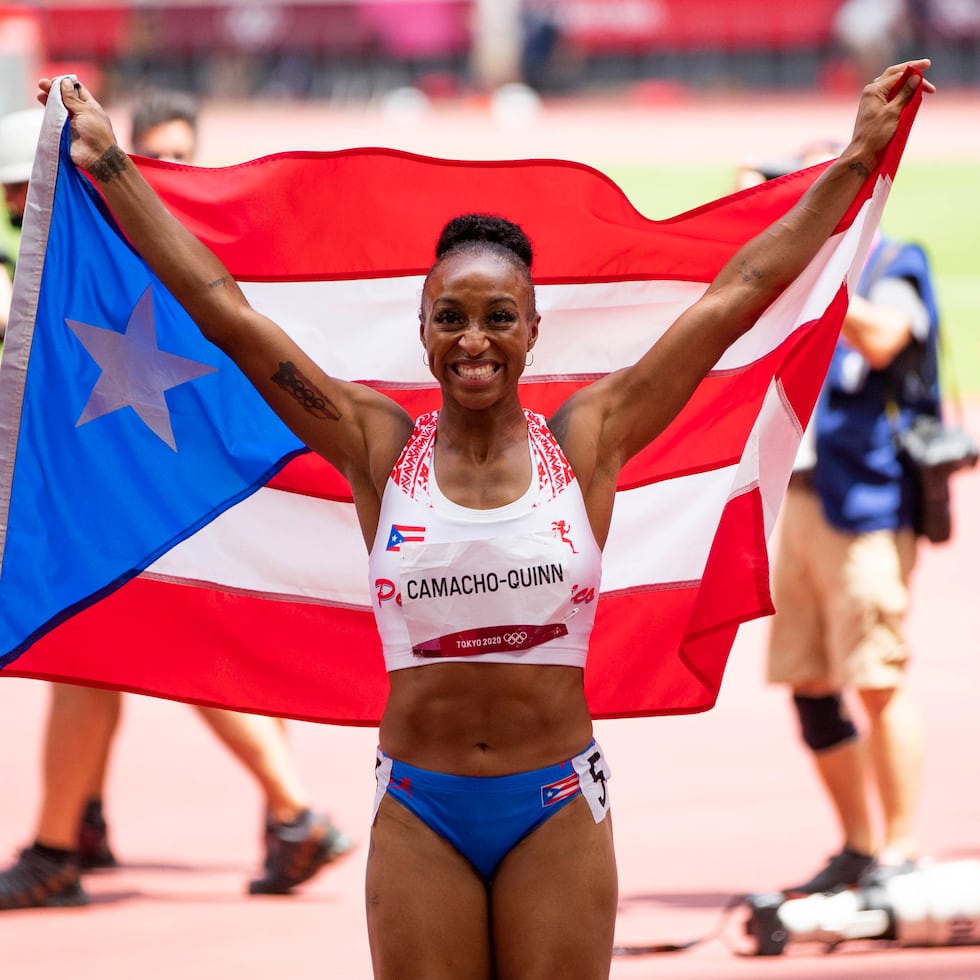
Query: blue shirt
x,y
861,482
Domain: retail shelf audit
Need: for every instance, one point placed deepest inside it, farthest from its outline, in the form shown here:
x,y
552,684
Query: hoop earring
x,y
529,360
425,358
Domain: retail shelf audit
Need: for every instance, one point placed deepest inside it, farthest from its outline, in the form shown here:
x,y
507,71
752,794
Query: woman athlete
x,y
491,850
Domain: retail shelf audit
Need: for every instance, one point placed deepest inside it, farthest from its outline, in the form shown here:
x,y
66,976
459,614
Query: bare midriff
x,y
485,719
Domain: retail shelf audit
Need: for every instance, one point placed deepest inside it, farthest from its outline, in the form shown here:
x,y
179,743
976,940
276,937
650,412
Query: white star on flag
x,y
135,372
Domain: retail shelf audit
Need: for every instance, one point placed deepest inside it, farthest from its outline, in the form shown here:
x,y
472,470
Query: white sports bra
x,y
515,584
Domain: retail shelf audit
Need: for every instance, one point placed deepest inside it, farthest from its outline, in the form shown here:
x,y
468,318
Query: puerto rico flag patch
x,y
400,533
560,790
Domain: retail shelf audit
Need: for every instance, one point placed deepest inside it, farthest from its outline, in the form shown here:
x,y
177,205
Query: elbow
x,y
747,295
226,333
745,311
878,360
221,314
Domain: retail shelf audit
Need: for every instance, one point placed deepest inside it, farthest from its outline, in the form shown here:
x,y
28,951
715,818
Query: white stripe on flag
x,y
292,546
277,544
589,328
779,431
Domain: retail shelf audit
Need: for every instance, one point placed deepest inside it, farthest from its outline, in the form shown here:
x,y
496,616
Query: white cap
x,y
18,141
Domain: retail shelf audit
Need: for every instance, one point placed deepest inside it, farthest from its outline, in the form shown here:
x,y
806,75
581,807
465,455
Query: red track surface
x,y
706,807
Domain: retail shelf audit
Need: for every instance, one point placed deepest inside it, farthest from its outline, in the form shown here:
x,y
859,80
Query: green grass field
x,y
933,203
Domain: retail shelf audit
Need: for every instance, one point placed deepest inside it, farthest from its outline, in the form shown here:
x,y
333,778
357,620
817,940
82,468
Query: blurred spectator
x,y
872,32
164,126
541,52
18,140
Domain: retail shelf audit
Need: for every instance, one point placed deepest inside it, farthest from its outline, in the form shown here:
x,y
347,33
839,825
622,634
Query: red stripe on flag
x,y
298,660
582,226
319,663
246,213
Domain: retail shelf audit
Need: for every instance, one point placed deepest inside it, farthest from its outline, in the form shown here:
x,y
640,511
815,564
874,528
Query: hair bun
x,y
484,228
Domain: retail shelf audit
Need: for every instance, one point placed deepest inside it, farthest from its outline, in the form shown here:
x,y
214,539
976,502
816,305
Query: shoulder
x,y
386,428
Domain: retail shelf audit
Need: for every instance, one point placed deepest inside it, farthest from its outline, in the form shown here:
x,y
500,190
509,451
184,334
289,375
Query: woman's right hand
x,y
91,129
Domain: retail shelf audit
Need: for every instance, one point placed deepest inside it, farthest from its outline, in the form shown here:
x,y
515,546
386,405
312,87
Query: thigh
x,y
868,636
797,649
554,898
427,908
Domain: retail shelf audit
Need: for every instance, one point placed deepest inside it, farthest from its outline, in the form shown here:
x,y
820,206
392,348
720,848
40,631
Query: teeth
x,y
475,372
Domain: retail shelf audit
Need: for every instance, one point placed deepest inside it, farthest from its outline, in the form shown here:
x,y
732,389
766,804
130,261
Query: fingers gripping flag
x,y
162,532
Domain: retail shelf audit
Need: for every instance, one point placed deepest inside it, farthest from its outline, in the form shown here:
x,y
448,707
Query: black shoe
x,y
38,881
842,871
295,852
93,839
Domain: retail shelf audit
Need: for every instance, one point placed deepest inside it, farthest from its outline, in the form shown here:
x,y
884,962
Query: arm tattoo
x,y
214,283
111,164
748,273
859,168
305,392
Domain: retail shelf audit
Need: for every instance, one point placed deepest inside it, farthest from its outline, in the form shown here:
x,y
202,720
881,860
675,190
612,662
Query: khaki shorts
x,y
840,600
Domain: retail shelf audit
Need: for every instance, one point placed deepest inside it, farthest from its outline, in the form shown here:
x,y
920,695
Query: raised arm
x,y
356,429
603,425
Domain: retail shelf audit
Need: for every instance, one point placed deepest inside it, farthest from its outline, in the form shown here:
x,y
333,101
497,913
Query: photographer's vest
x,y
861,483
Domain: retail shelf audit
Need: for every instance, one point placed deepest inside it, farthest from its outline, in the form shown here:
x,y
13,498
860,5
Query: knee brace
x,y
824,724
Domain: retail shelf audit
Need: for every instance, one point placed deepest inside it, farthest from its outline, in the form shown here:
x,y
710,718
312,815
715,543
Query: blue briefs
x,y
484,817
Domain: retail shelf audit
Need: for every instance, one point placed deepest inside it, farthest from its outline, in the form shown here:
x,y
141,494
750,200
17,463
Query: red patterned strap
x,y
411,472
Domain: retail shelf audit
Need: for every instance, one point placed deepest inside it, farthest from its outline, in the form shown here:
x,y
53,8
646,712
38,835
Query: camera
x,y
938,905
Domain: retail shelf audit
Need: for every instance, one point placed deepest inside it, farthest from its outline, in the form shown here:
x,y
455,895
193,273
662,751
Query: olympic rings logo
x,y
515,639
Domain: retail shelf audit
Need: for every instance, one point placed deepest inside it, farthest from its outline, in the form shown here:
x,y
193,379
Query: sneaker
x,y
843,870
295,852
93,839
38,881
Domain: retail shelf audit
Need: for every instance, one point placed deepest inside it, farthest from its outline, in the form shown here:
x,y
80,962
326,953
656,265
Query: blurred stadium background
x,y
362,49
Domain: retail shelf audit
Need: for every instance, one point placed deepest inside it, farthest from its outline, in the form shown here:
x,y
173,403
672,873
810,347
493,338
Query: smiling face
x,y
477,324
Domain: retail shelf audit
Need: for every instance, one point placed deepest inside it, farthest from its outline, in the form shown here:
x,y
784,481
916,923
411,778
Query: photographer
x,y
844,560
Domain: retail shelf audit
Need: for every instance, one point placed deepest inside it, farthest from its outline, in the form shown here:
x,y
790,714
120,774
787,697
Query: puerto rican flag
x,y
400,533
559,790
162,532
